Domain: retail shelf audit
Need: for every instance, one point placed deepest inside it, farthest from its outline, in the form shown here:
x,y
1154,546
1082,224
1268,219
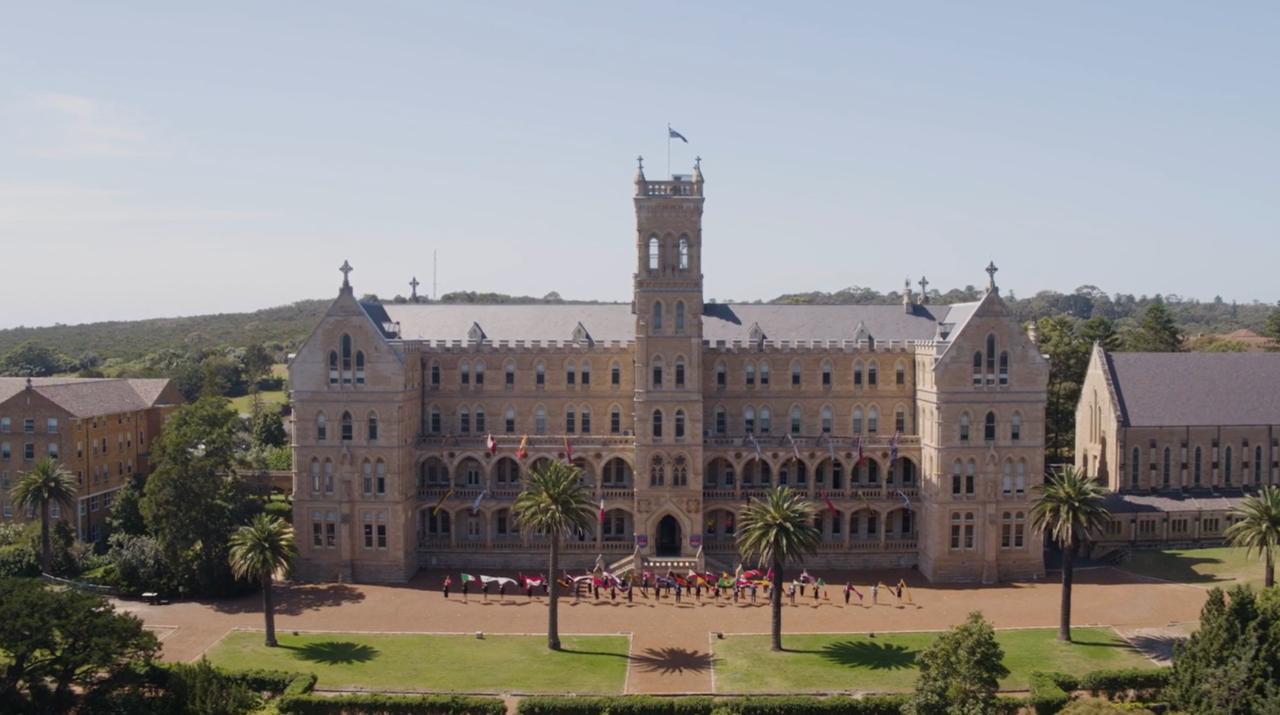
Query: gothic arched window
x,y
684,253
680,316
654,255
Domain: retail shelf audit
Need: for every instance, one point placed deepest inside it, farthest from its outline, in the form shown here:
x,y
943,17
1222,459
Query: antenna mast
x,y
433,274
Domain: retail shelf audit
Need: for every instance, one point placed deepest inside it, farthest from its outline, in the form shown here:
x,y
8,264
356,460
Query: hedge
x,y
762,705
390,705
275,682
1050,692
621,705
1144,684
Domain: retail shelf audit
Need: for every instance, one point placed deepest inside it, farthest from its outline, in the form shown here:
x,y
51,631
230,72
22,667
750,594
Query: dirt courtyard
x,y
671,643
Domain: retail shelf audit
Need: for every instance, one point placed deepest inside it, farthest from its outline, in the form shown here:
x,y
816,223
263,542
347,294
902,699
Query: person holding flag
x,y
466,580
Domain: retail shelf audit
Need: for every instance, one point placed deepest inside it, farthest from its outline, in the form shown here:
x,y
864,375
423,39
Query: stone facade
x,y
1179,440
100,430
917,429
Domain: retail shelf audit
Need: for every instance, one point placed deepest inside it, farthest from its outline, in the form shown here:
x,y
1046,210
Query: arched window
x,y
1006,481
1226,466
657,471
991,356
1136,456
654,255
749,371
657,424
1015,427
1196,472
766,420
872,372
977,368
366,477
328,476
570,420
479,372
657,316
371,431
1166,472
764,373
315,475
722,374
857,420
1004,368
570,372
584,417
1020,481
826,419
679,372
435,373
795,373
900,420
348,428
970,477
585,373
615,420
722,421
964,427
464,420
873,419
464,372
684,253
680,471
322,430
957,478
857,373
795,419
333,367
899,374
509,420
1257,465
749,419
680,316
359,367
540,419
679,424
657,373
615,373
826,373
346,358
540,373
434,420
989,427
509,371
479,416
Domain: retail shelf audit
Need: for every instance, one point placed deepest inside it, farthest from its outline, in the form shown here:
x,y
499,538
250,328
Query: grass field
x,y
831,662
588,664
270,398
1222,565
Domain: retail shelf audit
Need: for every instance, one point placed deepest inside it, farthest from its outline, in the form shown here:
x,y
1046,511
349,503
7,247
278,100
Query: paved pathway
x,y
670,644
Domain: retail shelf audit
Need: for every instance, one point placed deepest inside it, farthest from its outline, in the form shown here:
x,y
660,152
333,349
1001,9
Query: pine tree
x,y
1156,332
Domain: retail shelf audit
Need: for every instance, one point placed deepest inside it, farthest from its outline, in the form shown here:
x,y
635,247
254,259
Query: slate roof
x,y
89,397
1196,389
1199,500
721,321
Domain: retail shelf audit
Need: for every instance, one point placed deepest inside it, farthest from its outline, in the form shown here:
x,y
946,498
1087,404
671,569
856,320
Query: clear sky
x,y
177,158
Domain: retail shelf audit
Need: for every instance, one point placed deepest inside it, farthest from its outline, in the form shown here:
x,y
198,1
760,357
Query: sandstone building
x,y
100,430
918,429
1179,439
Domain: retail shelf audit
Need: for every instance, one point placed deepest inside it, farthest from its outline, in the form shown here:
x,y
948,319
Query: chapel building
x,y
917,430
1179,439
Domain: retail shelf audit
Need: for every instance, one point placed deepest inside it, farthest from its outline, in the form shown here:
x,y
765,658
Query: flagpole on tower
x,y
668,151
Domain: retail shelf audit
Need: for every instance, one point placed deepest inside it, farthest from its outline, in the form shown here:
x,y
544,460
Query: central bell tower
x,y
668,361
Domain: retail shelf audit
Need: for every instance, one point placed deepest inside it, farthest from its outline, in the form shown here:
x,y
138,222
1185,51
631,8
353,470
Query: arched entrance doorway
x,y
668,541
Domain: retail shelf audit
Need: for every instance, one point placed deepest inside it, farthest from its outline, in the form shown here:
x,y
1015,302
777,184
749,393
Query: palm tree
x,y
555,503
777,528
1257,527
259,550
47,483
1069,509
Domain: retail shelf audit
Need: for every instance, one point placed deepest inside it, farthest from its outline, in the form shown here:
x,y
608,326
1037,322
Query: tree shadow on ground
x,y
865,654
334,652
293,599
1156,647
1173,567
673,660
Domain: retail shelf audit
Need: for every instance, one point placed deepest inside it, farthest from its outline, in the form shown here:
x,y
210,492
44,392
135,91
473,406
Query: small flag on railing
x,y
830,507
905,500
475,505
893,449
568,451
492,444
858,449
752,438
440,503
601,510
523,450
831,448
794,447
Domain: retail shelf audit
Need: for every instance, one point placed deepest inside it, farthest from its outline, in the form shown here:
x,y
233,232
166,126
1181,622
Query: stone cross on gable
x,y
346,272
924,288
991,273
413,285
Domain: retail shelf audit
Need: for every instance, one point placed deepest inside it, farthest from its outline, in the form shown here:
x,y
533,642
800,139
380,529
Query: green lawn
x,y
834,661
270,398
588,664
1221,565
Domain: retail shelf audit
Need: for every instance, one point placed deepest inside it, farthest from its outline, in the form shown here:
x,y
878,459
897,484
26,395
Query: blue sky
x,y
178,158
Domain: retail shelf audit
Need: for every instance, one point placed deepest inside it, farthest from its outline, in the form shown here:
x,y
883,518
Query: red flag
x,y
523,450
860,457
830,507
492,444
601,510
568,451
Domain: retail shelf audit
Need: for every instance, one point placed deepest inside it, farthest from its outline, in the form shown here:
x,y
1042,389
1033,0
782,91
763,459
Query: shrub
x,y
1144,684
140,563
19,560
205,690
280,510
1050,692
275,682
390,705
768,705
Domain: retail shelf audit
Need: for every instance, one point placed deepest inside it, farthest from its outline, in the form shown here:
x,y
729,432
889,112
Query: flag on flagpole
x,y
492,444
448,493
568,451
830,507
858,449
601,510
893,449
752,438
794,447
831,448
523,450
475,505
905,500
466,578
673,134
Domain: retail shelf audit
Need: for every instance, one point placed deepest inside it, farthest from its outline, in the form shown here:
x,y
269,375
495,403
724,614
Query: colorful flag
x,y
858,449
752,439
673,134
794,447
893,450
492,444
601,510
523,450
830,507
448,493
466,578
568,451
475,505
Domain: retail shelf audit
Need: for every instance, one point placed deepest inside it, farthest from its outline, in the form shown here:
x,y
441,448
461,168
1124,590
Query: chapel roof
x,y
1190,389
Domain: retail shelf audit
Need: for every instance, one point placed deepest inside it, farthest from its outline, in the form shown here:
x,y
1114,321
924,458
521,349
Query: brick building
x,y
677,411
100,430
1179,439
